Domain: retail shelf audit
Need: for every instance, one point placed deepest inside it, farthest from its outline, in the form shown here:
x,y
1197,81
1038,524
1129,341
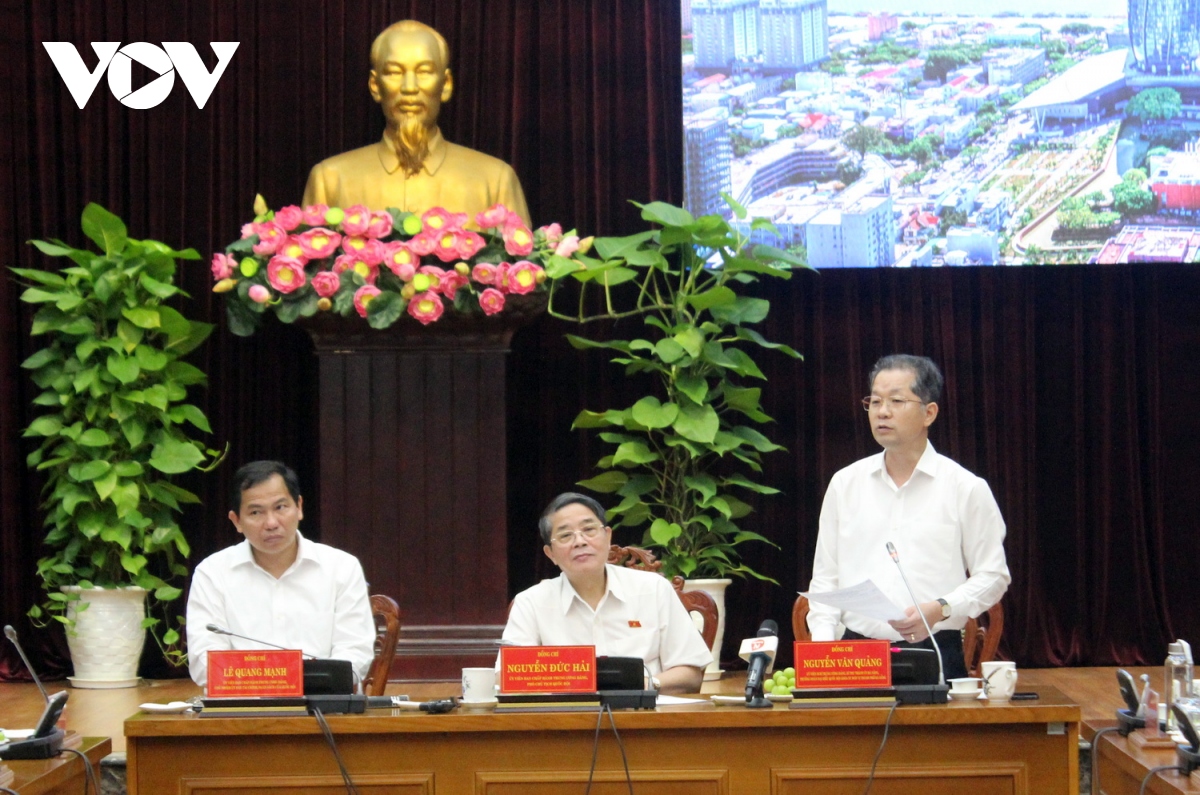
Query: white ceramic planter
x,y
716,589
108,638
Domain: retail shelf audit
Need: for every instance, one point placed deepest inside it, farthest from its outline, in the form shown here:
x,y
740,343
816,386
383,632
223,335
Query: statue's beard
x,y
411,142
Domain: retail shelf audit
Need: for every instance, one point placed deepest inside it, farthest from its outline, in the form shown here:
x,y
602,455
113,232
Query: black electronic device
x,y
620,673
47,738
621,683
1187,755
1128,690
328,677
939,692
1022,695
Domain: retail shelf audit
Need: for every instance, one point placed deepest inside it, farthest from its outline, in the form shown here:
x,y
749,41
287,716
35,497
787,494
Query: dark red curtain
x,y
1068,388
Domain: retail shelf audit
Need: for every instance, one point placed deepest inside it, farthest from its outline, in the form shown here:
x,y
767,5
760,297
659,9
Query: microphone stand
x,y
921,694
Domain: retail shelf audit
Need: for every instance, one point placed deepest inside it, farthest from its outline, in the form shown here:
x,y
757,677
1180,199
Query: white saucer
x,y
487,702
173,707
974,695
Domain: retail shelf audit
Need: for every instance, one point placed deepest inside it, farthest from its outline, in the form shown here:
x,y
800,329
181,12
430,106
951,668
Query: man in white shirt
x,y
622,612
277,586
942,519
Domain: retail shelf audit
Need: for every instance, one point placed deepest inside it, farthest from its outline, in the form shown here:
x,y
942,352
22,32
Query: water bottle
x,y
1178,680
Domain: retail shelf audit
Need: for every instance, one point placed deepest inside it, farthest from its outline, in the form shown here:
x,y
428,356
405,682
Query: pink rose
x,y
326,283
399,259
320,243
357,220
450,282
293,248
552,233
491,301
371,251
270,236
423,244
223,266
447,245
439,219
381,224
518,240
356,264
494,216
314,214
249,229
485,273
523,277
259,294
426,307
285,274
363,296
469,244
567,246
289,217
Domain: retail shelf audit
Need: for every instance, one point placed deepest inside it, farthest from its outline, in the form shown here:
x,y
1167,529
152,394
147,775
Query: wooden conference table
x,y
980,748
63,775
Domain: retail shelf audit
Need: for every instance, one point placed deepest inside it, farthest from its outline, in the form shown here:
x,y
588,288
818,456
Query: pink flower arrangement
x,y
381,265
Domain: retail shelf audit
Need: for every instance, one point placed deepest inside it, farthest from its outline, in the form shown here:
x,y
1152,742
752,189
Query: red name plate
x,y
843,663
233,673
547,669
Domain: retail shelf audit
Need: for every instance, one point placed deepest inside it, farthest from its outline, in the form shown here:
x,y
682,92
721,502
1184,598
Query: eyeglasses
x,y
567,537
893,403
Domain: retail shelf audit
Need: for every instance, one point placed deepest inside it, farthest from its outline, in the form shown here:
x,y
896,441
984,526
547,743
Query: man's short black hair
x,y
562,501
250,475
927,378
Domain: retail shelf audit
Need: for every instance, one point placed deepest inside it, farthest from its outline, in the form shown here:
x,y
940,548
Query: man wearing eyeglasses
x,y
622,612
942,519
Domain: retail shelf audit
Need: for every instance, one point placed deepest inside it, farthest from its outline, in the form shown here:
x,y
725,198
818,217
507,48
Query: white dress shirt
x,y
640,615
948,534
319,605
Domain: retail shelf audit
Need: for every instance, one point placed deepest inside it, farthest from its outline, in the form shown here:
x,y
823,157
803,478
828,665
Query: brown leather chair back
x,y
800,619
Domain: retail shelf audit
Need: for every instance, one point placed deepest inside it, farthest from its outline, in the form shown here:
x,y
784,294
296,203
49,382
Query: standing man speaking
x,y
942,519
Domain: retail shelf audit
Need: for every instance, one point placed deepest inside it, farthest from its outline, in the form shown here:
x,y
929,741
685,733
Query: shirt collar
x,y
927,463
568,595
438,148
305,552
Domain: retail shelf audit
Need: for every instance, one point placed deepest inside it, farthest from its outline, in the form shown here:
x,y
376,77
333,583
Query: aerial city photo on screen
x,y
914,133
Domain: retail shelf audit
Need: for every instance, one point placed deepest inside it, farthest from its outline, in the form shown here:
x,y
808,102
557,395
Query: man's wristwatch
x,y
655,684
945,608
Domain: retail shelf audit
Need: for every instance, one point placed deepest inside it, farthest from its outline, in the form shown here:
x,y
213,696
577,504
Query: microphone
x,y
11,634
433,707
891,548
760,653
216,629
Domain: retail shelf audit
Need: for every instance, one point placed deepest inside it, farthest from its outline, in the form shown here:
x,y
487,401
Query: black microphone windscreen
x,y
768,629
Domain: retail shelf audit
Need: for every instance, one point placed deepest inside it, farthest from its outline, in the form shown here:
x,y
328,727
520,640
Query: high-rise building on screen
x,y
1165,35
706,155
774,34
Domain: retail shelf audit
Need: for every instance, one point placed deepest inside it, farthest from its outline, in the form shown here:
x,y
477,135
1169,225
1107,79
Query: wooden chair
x,y
387,631
800,619
633,558
702,604
981,638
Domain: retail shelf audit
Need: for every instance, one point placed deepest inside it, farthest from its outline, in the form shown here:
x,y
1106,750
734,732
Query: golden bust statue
x,y
413,167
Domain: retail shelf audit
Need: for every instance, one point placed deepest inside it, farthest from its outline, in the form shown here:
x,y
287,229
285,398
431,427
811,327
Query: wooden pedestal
x,y
413,474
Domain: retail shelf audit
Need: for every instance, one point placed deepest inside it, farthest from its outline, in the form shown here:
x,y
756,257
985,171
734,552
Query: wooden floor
x,y
101,713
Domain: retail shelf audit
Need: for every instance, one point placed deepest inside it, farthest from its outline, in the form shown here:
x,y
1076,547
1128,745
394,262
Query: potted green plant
x,y
684,451
111,431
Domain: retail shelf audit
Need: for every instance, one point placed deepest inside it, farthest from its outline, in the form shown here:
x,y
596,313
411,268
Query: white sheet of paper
x,y
865,599
676,701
